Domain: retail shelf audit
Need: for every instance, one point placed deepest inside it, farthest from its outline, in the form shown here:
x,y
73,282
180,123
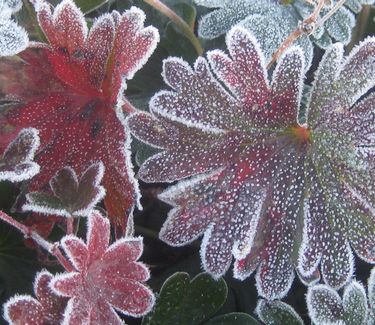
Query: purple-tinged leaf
x,y
17,164
70,196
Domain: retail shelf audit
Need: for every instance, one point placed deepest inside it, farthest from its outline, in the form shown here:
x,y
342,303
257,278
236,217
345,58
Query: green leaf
x,y
90,5
187,13
233,319
186,302
277,313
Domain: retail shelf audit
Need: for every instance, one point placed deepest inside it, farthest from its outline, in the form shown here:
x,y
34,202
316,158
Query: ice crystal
x,y
327,307
105,277
261,177
47,309
69,90
71,197
271,22
17,164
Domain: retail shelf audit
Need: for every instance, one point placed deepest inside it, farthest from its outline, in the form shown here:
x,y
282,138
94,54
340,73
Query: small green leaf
x,y
277,313
187,13
233,319
90,5
186,302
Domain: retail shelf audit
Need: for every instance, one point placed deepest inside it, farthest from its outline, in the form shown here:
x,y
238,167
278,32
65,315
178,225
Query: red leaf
x,y
107,277
69,90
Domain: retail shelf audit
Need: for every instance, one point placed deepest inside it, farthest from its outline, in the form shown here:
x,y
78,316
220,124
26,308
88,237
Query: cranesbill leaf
x,y
17,163
71,90
105,277
264,188
47,308
326,306
70,196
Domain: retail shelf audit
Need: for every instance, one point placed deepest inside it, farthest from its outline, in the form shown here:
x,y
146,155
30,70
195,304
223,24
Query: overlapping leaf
x,y
261,178
277,312
72,91
327,307
17,164
70,196
106,277
48,308
272,21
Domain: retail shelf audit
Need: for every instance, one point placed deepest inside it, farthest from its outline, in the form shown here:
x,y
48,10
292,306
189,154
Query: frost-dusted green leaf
x,y
355,304
70,196
324,305
187,302
16,164
233,319
13,38
276,19
277,313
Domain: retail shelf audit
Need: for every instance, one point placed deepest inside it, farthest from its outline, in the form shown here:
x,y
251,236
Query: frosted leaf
x,y
106,277
266,189
70,196
47,308
278,20
13,38
69,90
17,164
326,306
277,312
355,304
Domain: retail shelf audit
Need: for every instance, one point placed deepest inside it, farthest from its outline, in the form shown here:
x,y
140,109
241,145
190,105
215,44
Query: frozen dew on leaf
x,y
70,196
69,90
17,163
277,312
46,309
272,192
325,305
105,277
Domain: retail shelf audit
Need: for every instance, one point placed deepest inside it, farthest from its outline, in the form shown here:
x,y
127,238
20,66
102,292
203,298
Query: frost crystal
x,y
326,306
105,277
261,178
271,22
48,308
71,197
16,165
69,90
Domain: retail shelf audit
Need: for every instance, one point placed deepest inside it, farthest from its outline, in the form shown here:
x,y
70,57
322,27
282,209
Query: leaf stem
x,y
181,24
45,244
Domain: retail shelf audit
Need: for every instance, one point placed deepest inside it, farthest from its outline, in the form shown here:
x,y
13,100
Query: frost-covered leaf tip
x,y
261,177
46,309
70,196
17,163
325,305
106,277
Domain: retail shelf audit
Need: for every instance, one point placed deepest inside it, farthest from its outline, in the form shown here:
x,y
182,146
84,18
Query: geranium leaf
x,y
47,308
355,304
94,65
70,196
106,277
16,164
277,313
270,187
187,302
